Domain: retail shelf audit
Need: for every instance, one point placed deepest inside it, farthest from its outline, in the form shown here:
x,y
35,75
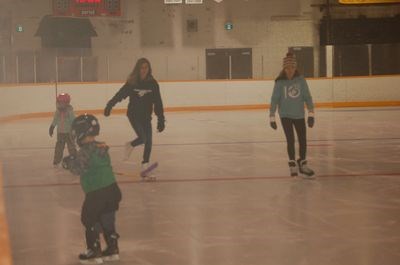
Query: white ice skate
x,y
307,172
293,168
128,151
147,173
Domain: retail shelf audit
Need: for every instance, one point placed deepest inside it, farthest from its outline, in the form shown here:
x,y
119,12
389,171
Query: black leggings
x,y
99,208
144,134
62,139
300,126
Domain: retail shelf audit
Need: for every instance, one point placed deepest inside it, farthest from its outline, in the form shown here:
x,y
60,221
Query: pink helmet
x,y
63,98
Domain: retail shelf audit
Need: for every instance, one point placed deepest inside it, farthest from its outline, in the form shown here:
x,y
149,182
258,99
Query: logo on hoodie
x,y
142,92
293,91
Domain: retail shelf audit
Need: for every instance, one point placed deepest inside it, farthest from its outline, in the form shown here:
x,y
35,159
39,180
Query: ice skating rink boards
x,y
223,194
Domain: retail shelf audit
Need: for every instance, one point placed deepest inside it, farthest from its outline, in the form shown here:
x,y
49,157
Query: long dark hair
x,y
133,77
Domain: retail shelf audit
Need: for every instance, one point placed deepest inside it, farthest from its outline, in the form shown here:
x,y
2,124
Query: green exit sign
x,y
19,28
228,26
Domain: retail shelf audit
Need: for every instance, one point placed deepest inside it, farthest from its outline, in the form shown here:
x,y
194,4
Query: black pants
x,y
300,127
98,211
144,134
62,139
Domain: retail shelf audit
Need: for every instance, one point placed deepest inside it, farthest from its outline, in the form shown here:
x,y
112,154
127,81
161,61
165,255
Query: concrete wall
x,y
29,99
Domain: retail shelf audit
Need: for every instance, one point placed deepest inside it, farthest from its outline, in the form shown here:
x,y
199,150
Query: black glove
x,y
160,125
66,162
272,122
107,110
310,122
51,130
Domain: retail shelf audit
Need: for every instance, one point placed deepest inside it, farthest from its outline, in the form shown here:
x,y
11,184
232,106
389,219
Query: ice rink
x,y
223,194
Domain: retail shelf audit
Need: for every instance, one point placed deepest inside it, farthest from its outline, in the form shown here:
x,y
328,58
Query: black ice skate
x,y
305,170
91,256
111,253
293,168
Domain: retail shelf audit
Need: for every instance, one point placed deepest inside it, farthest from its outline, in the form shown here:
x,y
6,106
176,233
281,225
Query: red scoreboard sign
x,y
86,8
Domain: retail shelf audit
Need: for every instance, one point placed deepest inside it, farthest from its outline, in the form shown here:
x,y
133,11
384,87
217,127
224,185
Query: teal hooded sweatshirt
x,y
289,96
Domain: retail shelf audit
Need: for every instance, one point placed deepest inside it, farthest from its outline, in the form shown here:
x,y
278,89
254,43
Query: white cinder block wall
x,y
149,28
16,100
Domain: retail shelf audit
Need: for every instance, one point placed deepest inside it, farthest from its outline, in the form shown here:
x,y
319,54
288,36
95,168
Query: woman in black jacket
x,y
144,96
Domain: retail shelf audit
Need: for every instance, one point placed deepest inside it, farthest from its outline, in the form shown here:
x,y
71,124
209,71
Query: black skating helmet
x,y
85,125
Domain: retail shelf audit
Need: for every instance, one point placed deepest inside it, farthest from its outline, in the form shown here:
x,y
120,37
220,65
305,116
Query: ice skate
x,y
128,151
91,256
58,168
293,168
147,173
111,253
305,170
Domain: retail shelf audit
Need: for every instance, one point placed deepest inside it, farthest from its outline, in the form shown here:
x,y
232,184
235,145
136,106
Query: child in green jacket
x,y
290,94
102,194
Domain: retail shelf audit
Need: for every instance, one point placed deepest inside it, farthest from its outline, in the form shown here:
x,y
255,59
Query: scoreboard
x,y
86,8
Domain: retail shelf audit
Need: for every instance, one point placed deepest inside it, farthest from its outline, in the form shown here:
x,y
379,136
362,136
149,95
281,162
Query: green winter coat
x,y
93,164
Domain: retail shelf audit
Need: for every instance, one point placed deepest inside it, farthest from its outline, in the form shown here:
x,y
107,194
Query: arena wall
x,y
38,100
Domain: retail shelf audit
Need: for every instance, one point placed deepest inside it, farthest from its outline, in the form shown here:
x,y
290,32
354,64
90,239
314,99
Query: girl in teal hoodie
x,y
290,94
